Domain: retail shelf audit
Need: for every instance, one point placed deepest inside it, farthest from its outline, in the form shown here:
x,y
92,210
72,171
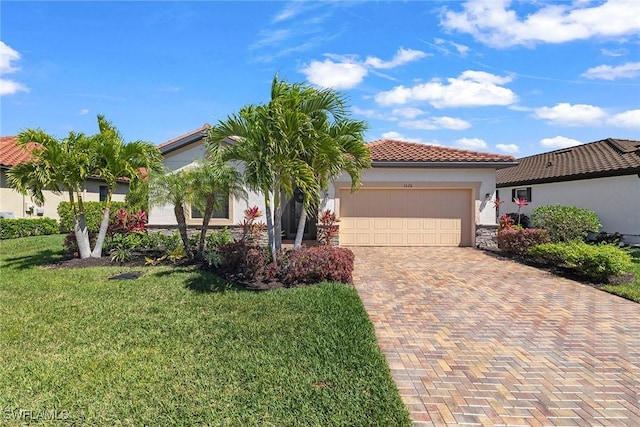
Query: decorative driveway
x,y
474,339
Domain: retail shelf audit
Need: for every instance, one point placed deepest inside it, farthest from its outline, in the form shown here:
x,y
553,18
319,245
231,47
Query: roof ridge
x,y
178,138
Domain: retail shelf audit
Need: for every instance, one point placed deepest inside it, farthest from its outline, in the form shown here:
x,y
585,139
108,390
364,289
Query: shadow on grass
x,y
202,281
41,258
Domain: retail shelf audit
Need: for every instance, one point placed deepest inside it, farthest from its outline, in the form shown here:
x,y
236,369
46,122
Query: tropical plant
x,y
116,161
213,178
290,143
173,188
520,203
333,144
57,165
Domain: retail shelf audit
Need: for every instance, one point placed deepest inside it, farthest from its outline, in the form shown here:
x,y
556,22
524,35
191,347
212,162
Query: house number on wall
x,y
407,185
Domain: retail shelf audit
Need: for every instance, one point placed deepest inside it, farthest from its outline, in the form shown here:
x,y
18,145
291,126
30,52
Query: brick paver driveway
x,y
473,339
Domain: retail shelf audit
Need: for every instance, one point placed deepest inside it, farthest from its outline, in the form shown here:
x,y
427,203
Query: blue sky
x,y
499,76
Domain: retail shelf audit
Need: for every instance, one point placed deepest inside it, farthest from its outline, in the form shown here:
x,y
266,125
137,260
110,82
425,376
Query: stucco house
x,y
15,205
414,195
603,176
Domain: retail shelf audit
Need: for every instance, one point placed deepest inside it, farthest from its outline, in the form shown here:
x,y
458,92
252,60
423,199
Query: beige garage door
x,y
405,217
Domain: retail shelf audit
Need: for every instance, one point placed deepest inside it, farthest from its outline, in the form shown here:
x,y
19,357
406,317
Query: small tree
x,y
566,223
58,166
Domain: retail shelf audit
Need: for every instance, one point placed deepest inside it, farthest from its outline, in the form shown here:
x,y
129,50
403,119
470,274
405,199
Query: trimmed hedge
x,y
566,223
93,213
517,241
13,228
597,262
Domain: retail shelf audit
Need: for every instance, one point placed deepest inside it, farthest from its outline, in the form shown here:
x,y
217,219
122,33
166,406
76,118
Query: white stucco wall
x,y
13,201
616,200
480,181
188,157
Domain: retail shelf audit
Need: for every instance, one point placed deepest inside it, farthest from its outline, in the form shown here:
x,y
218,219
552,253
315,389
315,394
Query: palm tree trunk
x,y
80,229
206,217
302,222
277,218
270,233
182,227
104,225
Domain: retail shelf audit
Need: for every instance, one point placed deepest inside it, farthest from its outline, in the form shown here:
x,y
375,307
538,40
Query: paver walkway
x,y
473,339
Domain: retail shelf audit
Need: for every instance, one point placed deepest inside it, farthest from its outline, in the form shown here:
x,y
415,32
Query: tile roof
x,y
388,150
185,139
11,153
608,157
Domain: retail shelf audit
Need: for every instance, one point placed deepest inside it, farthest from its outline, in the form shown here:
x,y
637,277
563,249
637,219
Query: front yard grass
x,y
631,290
179,346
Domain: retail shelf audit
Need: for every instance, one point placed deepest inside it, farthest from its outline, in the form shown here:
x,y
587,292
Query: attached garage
x,y
418,195
406,217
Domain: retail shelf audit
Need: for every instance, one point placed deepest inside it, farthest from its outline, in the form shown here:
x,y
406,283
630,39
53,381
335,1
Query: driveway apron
x,y
474,339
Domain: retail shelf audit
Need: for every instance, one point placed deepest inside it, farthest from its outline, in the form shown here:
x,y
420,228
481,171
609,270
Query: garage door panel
x,y
416,217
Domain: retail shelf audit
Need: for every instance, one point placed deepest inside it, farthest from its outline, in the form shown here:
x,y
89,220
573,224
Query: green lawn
x,y
180,347
632,290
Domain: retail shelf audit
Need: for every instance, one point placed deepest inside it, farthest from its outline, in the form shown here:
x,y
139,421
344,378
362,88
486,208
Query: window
x,y
521,193
221,213
103,193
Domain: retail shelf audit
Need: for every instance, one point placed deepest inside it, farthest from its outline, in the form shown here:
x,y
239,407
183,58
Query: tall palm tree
x,y
338,147
117,160
173,188
213,178
58,166
252,146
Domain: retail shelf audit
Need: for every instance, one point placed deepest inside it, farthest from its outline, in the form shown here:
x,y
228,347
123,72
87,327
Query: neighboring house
x,y
414,195
15,205
603,176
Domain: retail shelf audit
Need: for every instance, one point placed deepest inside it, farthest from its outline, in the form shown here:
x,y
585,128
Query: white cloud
x,y
494,23
336,75
408,113
83,112
470,89
571,115
474,143
346,71
401,57
628,119
397,136
559,142
508,148
614,53
433,123
372,114
607,72
7,57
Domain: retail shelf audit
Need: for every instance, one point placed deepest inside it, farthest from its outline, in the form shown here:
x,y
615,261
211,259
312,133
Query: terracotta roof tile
x,y
11,153
387,150
608,157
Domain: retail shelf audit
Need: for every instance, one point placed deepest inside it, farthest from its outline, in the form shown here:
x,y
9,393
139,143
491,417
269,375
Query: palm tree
x,y
117,160
173,188
213,178
339,147
251,146
58,166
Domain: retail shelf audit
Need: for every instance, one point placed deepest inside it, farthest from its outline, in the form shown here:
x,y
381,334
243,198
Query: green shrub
x,y
12,228
597,262
517,241
93,214
565,223
217,238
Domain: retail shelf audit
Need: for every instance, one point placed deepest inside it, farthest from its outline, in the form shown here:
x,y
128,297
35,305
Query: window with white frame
x,y
521,193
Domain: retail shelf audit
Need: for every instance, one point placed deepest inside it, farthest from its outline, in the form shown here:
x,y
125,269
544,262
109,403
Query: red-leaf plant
x,y
328,227
251,230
